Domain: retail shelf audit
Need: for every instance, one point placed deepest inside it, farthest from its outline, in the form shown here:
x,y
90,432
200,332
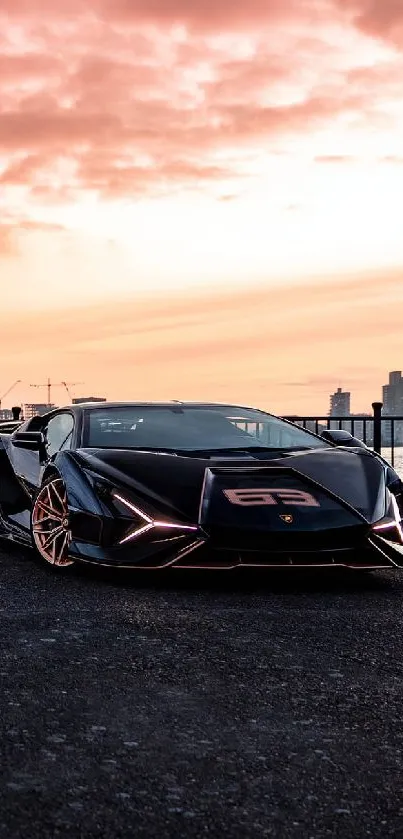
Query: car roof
x,y
100,406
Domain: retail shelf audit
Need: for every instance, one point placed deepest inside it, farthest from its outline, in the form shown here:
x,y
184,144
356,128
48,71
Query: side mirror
x,y
32,440
342,438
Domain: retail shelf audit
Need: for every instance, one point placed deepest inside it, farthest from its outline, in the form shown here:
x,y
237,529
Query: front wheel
x,y
50,527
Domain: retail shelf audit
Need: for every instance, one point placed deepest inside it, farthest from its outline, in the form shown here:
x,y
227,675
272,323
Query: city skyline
x,y
340,400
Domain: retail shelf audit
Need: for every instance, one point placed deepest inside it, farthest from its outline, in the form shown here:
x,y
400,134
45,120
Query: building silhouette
x,y
392,394
340,403
392,398
360,425
34,409
83,399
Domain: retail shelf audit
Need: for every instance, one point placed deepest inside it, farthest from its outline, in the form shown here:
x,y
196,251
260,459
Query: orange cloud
x,y
17,67
174,144
335,159
130,108
7,245
283,348
379,18
14,228
203,14
196,103
21,170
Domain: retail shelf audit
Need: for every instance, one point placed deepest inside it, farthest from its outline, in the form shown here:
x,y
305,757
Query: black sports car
x,y
151,485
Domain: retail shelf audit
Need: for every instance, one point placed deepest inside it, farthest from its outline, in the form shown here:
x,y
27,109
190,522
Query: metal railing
x,y
8,426
378,431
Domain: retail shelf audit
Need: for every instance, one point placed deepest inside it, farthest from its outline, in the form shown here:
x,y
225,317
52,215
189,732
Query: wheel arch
x,y
80,491
50,472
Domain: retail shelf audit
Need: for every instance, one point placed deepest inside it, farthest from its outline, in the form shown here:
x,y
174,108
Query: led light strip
x,y
149,522
396,523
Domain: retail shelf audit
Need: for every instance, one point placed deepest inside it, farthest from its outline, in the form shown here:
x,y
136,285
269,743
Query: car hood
x,y
175,483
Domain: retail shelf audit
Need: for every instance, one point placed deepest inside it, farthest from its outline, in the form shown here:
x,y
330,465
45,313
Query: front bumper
x,y
326,535
200,552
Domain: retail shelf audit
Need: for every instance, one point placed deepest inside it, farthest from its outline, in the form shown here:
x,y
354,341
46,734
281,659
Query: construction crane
x,y
50,384
72,384
17,382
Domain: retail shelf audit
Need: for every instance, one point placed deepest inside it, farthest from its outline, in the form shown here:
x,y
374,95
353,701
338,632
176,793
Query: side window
x,y
59,433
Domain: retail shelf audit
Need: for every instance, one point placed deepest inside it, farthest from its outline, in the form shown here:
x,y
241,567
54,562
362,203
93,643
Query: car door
x,y
29,466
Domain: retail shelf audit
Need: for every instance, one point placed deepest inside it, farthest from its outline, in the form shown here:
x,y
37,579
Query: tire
x,y
50,531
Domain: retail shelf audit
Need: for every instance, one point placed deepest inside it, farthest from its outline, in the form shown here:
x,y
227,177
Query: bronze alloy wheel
x,y
50,523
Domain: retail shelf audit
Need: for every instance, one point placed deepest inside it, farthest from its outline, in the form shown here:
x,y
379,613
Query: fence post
x,y
377,409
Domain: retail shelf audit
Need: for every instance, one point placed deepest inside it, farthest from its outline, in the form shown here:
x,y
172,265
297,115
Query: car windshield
x,y
187,428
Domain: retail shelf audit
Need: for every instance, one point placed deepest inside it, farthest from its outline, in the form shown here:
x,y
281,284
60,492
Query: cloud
x,y
201,13
335,159
31,225
109,96
41,125
116,99
121,145
20,170
16,9
13,228
188,313
17,67
211,15
228,198
7,244
130,99
329,380
112,178
377,18
219,346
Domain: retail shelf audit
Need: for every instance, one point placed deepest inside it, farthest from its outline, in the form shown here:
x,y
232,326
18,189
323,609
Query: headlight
x,y
390,526
145,522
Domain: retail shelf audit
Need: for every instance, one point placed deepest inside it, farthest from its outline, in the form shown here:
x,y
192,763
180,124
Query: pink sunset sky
x,y
202,199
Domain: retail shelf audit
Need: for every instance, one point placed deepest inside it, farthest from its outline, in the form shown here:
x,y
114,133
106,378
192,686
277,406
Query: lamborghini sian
x,y
179,484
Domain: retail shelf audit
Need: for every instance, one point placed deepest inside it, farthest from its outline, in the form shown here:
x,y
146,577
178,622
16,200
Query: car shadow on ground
x,y
243,580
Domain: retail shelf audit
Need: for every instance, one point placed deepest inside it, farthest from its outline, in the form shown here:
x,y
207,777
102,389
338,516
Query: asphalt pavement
x,y
218,705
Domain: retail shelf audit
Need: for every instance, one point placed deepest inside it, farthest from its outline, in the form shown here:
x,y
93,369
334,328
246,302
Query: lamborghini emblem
x,y
287,518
